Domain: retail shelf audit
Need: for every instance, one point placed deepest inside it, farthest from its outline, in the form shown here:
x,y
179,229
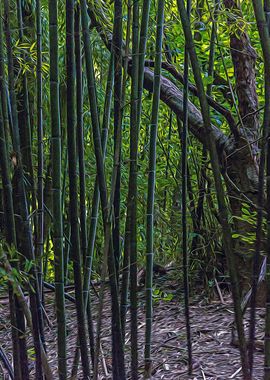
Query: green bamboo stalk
x,y
117,52
9,211
56,185
142,49
151,192
223,212
262,19
80,142
66,231
137,76
20,359
24,115
185,252
23,228
132,198
96,196
73,194
265,40
117,345
94,218
10,229
80,130
28,315
39,224
3,90
168,159
126,253
40,184
267,12
203,168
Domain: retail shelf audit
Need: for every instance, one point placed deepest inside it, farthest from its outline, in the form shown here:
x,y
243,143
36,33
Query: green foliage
x,y
160,295
16,276
168,175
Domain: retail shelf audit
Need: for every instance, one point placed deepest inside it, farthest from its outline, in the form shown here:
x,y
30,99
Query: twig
x,y
219,292
235,373
204,378
6,363
104,361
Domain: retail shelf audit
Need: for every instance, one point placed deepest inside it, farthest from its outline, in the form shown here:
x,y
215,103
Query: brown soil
x,y
213,355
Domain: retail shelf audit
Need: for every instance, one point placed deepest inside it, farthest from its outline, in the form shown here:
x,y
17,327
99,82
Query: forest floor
x,y
214,356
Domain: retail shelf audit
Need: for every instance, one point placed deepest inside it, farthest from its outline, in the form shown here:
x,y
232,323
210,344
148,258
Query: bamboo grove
x,y
134,139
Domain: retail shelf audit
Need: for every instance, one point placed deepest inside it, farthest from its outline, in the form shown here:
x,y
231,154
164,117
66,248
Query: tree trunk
x,y
242,175
242,165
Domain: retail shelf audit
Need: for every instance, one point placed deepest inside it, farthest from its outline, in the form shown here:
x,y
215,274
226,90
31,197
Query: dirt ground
x,y
214,358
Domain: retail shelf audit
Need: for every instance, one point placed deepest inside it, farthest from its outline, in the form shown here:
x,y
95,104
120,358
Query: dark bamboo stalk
x,y
184,202
6,363
56,185
80,143
9,211
132,199
168,159
94,215
40,184
80,130
117,52
126,250
262,20
130,248
137,74
10,233
23,227
117,345
73,195
28,315
151,191
24,117
202,174
142,49
223,212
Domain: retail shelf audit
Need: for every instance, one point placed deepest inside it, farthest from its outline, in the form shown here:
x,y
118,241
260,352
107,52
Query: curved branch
x,y
193,89
169,93
173,98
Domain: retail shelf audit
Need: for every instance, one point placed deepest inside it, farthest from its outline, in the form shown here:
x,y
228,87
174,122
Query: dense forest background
x,y
133,150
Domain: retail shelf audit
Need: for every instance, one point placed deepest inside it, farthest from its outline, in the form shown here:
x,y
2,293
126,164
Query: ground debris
x,y
215,358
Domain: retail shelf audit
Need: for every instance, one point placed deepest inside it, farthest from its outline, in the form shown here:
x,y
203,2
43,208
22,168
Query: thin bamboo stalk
x,y
137,76
8,205
132,200
223,212
94,216
56,185
117,52
23,227
28,315
262,19
24,116
40,184
10,233
117,345
151,191
185,252
73,194
80,142
126,250
80,130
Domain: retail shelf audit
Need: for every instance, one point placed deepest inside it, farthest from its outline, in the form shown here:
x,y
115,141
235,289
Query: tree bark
x,y
242,165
